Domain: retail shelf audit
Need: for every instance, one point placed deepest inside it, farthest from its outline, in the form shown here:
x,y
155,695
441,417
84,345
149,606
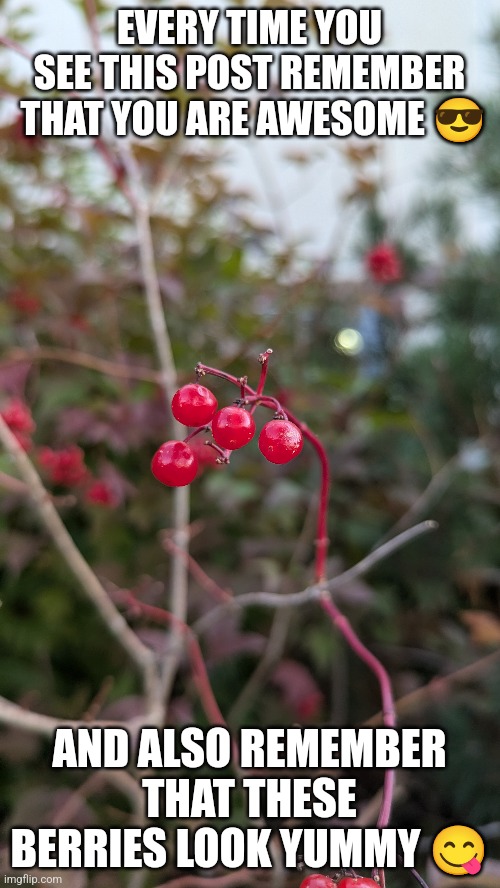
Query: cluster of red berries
x,y
318,880
175,463
65,467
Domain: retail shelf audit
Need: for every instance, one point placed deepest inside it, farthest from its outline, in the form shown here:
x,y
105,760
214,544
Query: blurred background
x,y
372,270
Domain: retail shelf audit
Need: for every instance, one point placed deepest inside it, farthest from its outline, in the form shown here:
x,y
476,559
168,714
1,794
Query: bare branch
x,y
179,583
381,553
16,716
439,688
82,359
156,313
315,592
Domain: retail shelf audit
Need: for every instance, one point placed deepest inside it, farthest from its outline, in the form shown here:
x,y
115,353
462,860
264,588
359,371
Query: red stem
x,y
388,707
198,573
200,674
337,618
264,360
321,535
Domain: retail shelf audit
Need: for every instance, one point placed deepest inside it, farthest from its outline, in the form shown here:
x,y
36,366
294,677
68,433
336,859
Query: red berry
x,y
174,464
358,882
100,494
194,405
65,467
232,428
384,264
280,441
317,880
18,417
24,302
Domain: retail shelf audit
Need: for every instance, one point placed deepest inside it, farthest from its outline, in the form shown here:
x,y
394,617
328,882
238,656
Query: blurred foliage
x,y
414,435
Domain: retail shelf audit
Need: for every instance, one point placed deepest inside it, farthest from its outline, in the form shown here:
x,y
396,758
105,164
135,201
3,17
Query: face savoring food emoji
x,y
458,850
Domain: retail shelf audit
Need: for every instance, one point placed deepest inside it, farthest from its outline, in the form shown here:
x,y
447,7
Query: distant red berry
x,y
232,428
358,882
65,467
24,302
18,417
174,464
384,264
100,494
280,441
317,880
194,405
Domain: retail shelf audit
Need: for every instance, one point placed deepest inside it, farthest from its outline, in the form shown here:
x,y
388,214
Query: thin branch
x,y
382,552
435,488
388,709
152,290
118,779
91,16
438,688
82,359
16,716
314,593
197,572
16,47
198,666
13,485
95,592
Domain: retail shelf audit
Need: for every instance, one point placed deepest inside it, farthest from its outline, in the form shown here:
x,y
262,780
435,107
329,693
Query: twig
x,y
16,716
199,669
439,687
13,485
95,592
313,593
120,780
152,290
382,552
197,572
82,359
16,47
435,488
91,16
388,709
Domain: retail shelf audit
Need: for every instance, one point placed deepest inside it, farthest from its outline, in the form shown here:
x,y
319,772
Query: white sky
x,y
304,201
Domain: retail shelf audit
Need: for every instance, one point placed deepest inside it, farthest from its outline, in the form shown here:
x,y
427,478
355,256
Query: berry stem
x,y
264,361
322,540
243,383
388,707
224,455
265,401
198,431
